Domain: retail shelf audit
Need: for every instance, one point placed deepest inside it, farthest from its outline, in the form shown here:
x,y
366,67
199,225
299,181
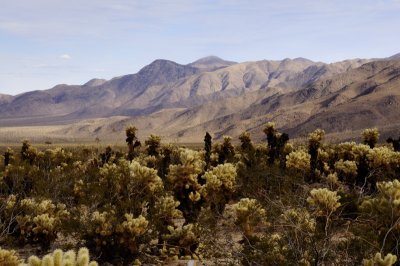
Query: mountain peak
x,y
396,56
95,82
212,60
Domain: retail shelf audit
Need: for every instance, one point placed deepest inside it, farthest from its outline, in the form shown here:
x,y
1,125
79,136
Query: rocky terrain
x,y
181,102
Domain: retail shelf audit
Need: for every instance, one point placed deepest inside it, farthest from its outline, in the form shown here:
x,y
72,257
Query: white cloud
x,y
65,56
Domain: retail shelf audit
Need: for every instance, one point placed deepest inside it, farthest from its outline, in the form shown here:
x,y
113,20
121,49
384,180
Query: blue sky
x,y
48,42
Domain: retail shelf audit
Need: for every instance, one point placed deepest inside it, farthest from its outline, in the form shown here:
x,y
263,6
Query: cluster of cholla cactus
x,y
36,221
160,202
111,235
383,212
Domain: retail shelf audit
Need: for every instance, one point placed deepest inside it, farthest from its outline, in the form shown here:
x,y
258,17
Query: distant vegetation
x,y
268,203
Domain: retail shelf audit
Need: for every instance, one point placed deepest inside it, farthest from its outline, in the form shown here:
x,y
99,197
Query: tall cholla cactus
x,y
314,142
370,136
130,230
184,178
388,260
59,258
132,141
249,215
153,144
220,184
8,156
276,141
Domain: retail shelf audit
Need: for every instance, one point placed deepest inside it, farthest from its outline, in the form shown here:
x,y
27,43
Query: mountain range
x,y
182,102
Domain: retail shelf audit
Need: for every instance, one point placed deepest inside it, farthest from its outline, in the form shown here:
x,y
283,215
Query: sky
x,y
49,42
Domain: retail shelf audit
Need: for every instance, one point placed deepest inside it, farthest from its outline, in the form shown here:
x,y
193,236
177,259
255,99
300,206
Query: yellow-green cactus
x,y
9,258
60,258
388,260
324,200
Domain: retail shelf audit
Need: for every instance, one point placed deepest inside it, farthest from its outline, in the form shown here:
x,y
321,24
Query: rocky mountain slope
x,y
181,102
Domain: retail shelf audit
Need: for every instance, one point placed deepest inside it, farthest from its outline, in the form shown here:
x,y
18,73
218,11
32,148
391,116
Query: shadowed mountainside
x,y
181,102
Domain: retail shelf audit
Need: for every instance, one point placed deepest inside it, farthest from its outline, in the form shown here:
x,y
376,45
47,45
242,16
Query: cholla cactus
x,y
385,207
220,184
59,258
8,156
186,238
382,157
314,143
226,151
300,220
298,161
249,215
145,177
347,171
299,230
332,180
153,144
184,175
388,260
370,136
39,221
130,230
9,258
316,137
324,200
102,224
246,143
166,209
184,178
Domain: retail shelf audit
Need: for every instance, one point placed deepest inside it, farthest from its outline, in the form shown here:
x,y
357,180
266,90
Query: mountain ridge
x,y
180,101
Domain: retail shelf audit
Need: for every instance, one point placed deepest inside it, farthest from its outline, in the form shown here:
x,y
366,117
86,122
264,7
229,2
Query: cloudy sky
x,y
48,42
